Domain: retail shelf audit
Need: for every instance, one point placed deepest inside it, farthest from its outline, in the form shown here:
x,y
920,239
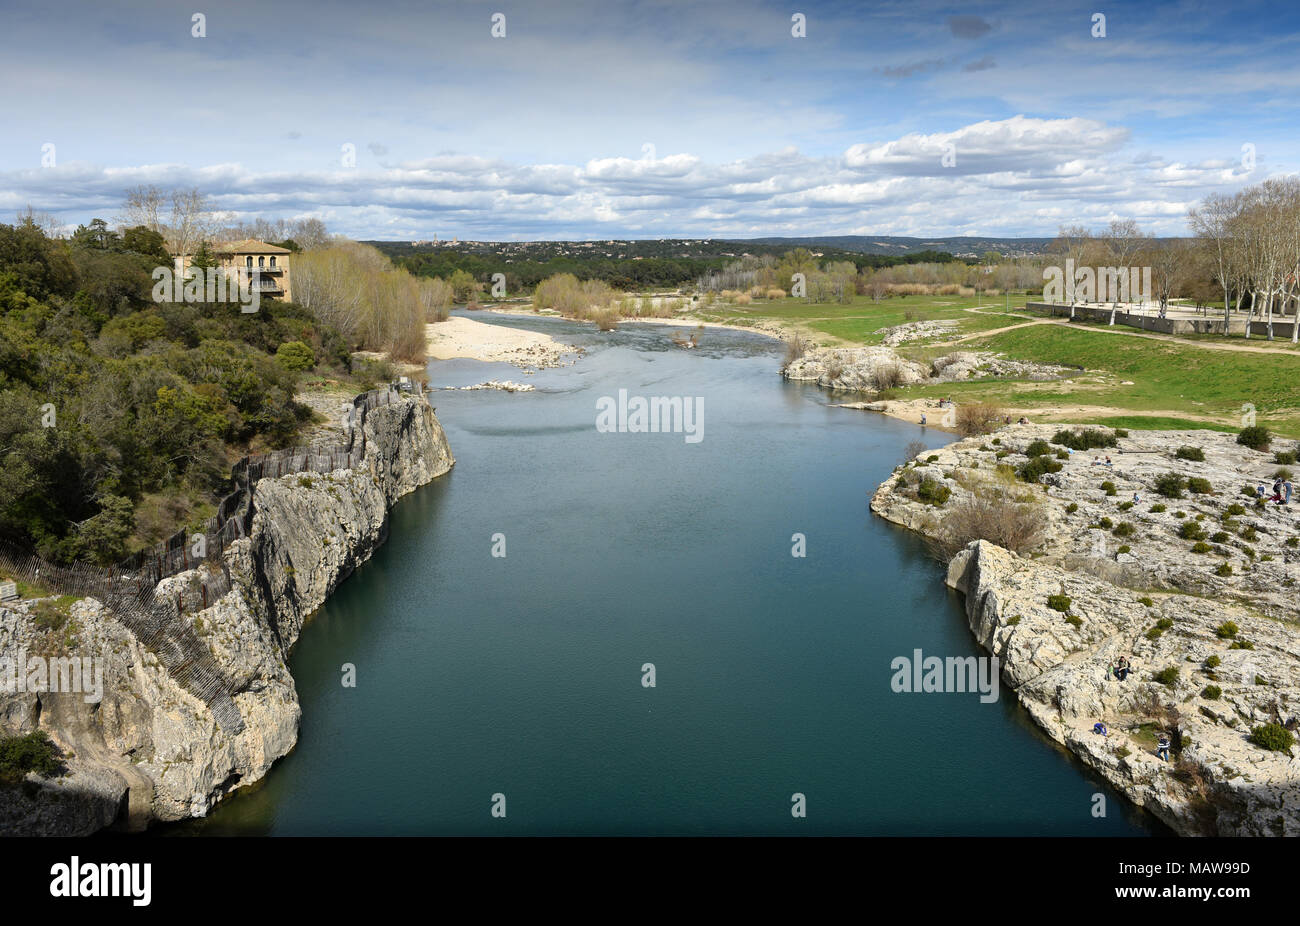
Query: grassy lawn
x,y
1131,382
1165,376
859,322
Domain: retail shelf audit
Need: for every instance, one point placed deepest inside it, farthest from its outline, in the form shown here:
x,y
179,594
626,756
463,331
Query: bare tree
x,y
143,206
190,221
1211,222
1123,240
49,224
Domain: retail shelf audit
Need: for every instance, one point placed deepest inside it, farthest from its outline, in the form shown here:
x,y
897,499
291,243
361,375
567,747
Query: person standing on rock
x,y
1286,492
1162,747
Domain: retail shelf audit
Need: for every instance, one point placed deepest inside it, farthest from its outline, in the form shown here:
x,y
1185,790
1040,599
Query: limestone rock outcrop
x,y
1215,651
149,750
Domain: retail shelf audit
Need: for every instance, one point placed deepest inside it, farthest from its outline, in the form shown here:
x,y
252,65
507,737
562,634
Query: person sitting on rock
x,y
1100,727
1162,747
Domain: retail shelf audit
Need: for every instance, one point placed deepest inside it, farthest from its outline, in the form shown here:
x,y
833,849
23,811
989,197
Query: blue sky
x,y
611,119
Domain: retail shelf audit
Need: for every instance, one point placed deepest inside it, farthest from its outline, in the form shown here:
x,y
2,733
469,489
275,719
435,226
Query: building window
x,y
250,263
272,263
261,262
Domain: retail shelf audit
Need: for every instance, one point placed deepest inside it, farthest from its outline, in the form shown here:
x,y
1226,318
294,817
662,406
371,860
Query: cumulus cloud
x,y
1015,176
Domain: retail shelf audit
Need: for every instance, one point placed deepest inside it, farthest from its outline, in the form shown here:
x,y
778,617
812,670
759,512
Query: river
x,y
522,676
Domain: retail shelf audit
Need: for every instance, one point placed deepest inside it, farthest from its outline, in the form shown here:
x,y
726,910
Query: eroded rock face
x,y
152,751
1157,603
870,369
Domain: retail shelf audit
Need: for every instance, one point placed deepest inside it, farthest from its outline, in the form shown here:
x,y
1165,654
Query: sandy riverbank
x,y
460,337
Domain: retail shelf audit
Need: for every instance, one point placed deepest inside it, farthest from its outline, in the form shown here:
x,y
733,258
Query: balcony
x,y
271,269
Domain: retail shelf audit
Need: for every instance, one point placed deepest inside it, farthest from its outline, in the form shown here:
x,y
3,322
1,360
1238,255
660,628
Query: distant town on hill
x,y
712,248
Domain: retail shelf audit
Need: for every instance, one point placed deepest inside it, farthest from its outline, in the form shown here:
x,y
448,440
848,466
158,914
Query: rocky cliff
x,y
1209,625
148,749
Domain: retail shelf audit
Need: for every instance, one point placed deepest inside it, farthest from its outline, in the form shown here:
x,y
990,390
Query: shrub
x,y
1125,506
1031,470
1242,644
1226,630
1145,600
1105,523
1157,508
1201,547
1224,570
20,755
1212,662
1063,454
1272,736
1171,485
1195,454
990,513
1256,438
295,356
1059,603
1198,486
49,616
1154,633
1293,541
1282,473
794,349
1123,529
1248,532
1211,692
1108,487
933,492
1011,622
1284,457
932,458
1220,537
1084,439
1234,510
1124,548
1073,507
1165,623
1037,448
1074,621
1167,676
979,418
1190,530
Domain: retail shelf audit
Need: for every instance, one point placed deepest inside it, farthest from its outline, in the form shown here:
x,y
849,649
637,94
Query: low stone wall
x,y
1210,324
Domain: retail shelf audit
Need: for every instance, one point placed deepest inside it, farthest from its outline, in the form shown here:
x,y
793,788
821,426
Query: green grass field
x,y
860,322
1128,380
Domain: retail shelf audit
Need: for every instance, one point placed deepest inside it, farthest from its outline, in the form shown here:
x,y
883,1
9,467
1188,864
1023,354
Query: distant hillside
x,y
890,244
834,247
